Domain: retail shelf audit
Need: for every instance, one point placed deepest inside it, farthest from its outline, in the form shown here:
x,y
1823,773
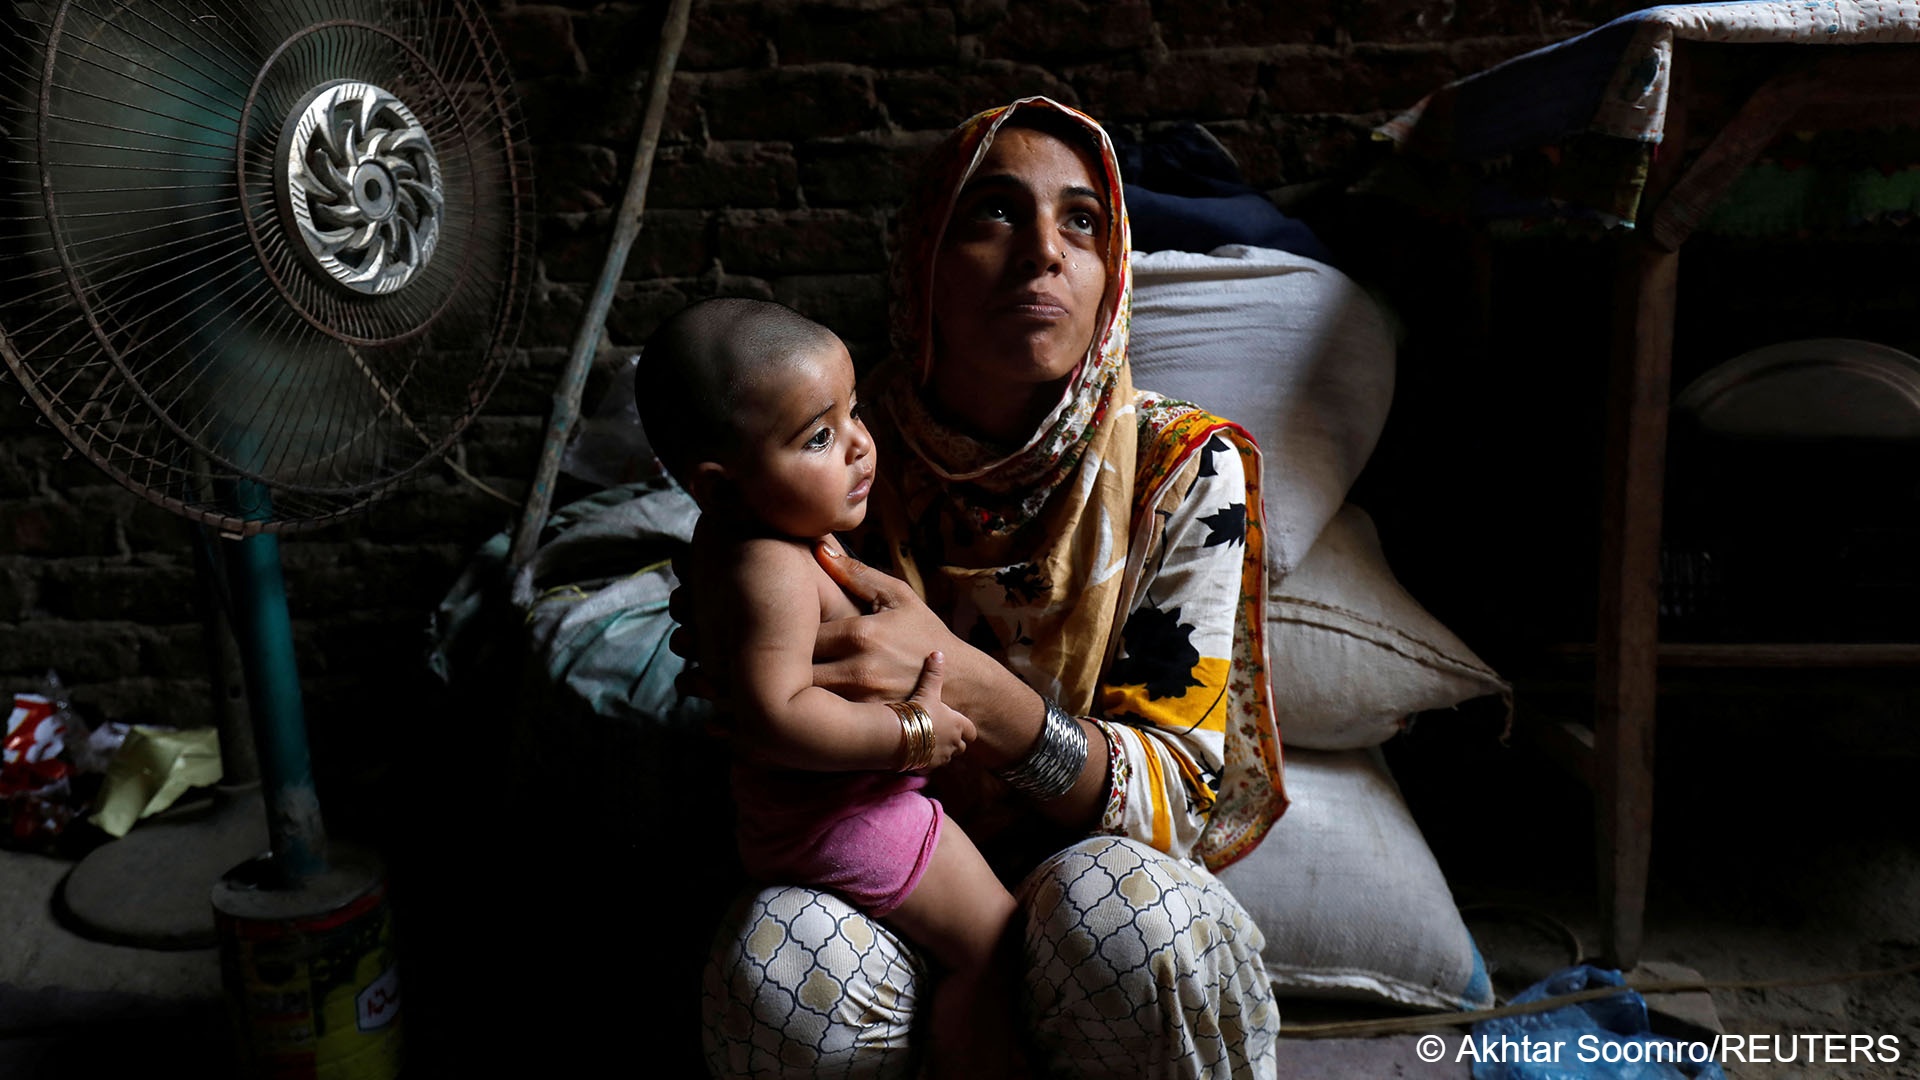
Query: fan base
x,y
153,887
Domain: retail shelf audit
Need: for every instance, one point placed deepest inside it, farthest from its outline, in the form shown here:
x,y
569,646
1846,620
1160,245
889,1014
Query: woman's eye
x,y
1082,221
821,439
991,210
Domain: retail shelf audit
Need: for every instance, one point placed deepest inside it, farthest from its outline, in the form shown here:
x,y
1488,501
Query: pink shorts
x,y
869,841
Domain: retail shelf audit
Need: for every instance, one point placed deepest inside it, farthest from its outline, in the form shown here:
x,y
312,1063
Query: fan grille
x,y
161,301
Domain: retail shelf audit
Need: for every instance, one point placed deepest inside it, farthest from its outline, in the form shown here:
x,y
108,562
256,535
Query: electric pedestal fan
x,y
259,262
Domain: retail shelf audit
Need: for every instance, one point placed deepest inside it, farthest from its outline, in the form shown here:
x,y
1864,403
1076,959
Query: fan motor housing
x,y
359,187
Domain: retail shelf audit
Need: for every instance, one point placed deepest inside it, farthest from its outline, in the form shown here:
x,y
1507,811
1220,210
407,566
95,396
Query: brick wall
x,y
792,129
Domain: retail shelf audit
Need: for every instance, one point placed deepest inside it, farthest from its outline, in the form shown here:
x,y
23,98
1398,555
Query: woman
x,y
1088,558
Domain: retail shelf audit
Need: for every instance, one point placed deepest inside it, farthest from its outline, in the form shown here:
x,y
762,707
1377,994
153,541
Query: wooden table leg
x,y
1627,637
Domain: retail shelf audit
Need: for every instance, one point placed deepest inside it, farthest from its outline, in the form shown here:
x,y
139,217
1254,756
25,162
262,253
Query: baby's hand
x,y
952,731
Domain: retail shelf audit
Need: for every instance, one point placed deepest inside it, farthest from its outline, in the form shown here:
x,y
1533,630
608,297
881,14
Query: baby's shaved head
x,y
698,366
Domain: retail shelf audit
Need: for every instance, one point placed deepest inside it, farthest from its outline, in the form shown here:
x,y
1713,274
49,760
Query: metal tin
x,y
309,971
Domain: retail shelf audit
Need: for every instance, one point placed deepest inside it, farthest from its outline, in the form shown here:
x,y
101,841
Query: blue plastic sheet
x,y
1607,1039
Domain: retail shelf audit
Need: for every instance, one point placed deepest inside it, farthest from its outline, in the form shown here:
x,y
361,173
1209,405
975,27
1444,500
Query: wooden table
x,y
1802,87
1815,88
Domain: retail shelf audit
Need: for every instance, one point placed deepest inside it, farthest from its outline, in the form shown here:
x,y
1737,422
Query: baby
x,y
751,407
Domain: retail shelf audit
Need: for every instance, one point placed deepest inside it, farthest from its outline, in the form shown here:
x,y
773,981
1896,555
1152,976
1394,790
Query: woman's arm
x,y
871,657
1187,687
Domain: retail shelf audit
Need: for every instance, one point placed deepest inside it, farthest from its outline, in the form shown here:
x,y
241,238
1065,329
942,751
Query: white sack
x,y
1288,348
1349,896
1352,655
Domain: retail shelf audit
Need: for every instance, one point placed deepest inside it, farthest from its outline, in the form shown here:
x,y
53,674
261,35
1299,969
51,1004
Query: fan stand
x,y
150,888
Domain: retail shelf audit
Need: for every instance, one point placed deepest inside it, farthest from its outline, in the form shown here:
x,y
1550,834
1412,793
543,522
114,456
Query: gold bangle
x,y
924,722
916,731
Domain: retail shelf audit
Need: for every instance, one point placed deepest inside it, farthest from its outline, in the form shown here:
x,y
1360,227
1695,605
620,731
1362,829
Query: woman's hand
x,y
877,657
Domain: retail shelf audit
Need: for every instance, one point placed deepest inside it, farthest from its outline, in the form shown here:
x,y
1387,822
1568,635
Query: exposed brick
x,y
977,15
539,41
790,104
325,577
723,174
605,108
1185,86
671,243
722,35
800,242
616,40
81,652
58,526
1565,18
61,467
355,578
739,285
1370,78
889,37
150,591
542,364
940,100
23,467
18,589
1277,149
1057,30
1436,20
1471,55
1189,24
862,171
146,526
574,177
600,383
851,305
17,414
522,392
442,508
183,702
639,307
553,314
175,651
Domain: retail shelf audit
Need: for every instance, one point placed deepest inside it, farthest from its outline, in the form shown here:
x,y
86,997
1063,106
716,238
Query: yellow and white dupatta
x,y
1114,561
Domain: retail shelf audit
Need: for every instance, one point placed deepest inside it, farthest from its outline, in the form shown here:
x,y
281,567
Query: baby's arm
x,y
774,614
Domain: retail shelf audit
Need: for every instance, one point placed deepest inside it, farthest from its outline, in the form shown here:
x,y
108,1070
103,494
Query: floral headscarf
x,y
1026,476
974,508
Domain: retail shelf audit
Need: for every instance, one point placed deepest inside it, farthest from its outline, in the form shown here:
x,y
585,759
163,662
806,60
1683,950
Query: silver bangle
x,y
1058,755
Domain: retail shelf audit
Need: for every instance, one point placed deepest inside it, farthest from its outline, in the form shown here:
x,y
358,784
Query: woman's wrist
x,y
1007,712
1052,765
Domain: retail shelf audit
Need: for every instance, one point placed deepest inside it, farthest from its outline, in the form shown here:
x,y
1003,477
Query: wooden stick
x,y
566,397
1400,1025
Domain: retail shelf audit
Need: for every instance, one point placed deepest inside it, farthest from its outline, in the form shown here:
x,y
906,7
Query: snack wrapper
x,y
153,767
36,774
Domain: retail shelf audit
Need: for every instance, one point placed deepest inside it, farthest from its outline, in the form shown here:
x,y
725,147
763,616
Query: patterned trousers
x,y
1139,965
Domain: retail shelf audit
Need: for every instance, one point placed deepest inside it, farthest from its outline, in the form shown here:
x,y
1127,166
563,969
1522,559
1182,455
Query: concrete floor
x,y
1767,865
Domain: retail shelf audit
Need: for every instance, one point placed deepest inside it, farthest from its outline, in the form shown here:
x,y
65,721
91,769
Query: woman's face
x,y
1018,283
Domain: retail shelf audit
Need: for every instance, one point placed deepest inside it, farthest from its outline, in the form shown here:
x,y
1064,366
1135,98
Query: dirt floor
x,y
1783,850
